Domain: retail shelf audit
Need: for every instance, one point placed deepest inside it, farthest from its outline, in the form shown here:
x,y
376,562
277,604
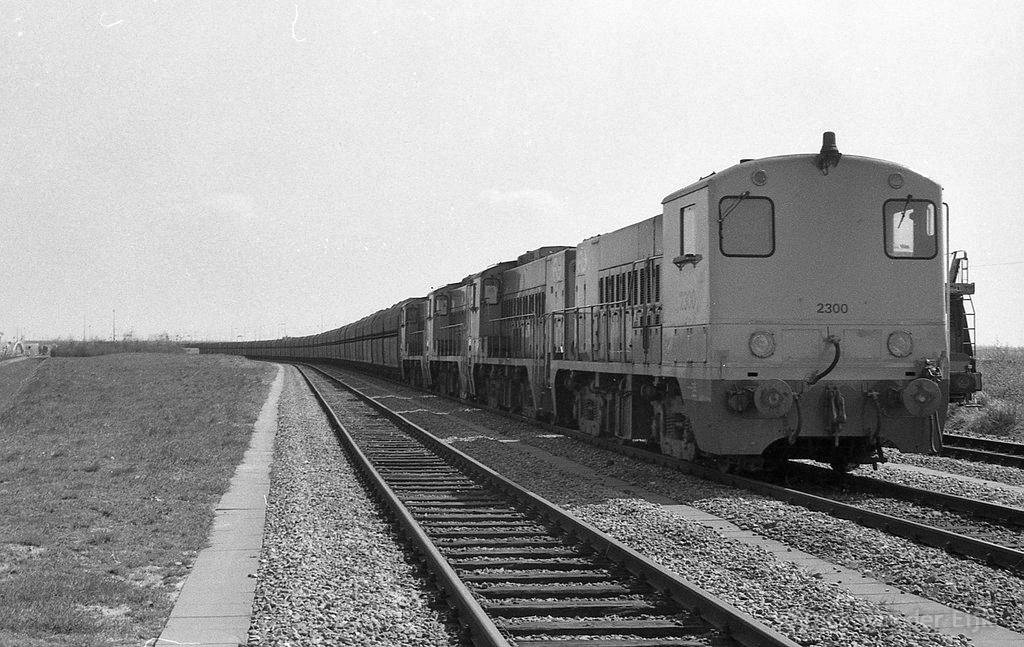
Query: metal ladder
x,y
961,287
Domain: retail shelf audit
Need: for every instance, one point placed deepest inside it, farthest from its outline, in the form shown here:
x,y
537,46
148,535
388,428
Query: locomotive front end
x,y
826,309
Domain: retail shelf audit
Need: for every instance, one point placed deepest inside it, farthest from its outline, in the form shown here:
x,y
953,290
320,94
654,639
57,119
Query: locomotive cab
x,y
806,311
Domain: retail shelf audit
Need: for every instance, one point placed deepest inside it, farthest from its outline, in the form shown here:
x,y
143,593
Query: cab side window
x,y
688,230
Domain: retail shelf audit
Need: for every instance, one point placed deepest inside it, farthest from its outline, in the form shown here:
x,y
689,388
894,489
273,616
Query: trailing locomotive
x,y
786,307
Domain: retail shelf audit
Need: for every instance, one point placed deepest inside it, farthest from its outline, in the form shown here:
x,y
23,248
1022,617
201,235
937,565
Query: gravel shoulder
x,y
331,570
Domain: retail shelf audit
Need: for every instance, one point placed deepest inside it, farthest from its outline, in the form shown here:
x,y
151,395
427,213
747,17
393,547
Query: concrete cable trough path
x,y
214,606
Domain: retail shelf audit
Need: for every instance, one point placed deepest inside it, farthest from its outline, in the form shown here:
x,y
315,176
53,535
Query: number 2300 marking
x,y
833,308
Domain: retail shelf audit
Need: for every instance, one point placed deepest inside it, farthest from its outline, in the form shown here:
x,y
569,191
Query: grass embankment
x,y
1001,412
13,376
109,468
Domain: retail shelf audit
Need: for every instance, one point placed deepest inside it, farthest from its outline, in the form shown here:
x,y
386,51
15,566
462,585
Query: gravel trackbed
x,y
331,572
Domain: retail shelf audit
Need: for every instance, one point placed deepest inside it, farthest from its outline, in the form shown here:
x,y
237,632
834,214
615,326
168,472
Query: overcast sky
x,y
254,168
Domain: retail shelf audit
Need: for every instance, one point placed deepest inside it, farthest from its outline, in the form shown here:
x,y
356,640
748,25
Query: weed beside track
x,y
1001,410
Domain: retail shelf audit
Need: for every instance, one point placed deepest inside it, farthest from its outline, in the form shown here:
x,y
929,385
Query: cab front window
x,y
746,226
910,230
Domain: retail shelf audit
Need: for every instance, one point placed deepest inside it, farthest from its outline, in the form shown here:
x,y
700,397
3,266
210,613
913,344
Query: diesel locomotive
x,y
798,306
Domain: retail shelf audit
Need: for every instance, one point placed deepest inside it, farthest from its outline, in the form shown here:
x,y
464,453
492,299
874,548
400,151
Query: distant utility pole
x,y
113,325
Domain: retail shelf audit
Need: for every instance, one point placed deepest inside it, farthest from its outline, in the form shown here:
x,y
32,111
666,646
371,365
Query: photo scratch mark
x,y
294,21
109,25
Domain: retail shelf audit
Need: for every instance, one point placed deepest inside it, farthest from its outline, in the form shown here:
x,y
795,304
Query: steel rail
x,y
738,625
1004,514
482,630
990,444
952,542
986,450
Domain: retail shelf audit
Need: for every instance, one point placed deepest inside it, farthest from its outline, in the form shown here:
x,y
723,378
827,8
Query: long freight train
x,y
788,307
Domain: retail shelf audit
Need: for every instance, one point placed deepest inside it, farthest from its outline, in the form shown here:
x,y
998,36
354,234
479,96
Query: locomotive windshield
x,y
910,228
746,226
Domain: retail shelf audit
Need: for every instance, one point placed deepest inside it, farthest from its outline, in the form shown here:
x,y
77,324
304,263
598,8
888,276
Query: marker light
x,y
896,180
759,177
762,344
900,344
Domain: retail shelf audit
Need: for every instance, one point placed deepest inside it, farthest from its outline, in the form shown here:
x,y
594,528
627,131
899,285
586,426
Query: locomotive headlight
x,y
762,344
900,344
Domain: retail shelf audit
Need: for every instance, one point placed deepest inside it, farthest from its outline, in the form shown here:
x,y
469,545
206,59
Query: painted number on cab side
x,y
833,308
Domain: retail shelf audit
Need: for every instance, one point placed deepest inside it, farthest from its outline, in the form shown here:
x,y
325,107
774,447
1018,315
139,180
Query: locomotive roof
x,y
810,157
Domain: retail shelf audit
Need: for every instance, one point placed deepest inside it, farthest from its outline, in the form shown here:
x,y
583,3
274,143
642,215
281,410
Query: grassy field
x,y
109,468
1002,401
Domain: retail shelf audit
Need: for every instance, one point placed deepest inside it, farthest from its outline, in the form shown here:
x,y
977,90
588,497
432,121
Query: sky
x,y
258,168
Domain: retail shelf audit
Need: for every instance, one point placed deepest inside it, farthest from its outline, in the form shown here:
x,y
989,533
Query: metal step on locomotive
x,y
798,306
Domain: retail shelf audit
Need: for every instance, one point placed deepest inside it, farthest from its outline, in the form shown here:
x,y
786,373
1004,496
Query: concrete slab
x,y
210,608
239,519
205,631
870,587
214,606
248,500
237,540
227,562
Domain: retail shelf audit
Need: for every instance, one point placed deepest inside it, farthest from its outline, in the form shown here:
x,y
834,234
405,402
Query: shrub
x,y
999,418
1002,368
92,348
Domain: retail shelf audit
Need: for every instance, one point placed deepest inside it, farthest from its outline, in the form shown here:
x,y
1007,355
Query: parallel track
x,y
985,450
953,542
519,570
978,509
984,524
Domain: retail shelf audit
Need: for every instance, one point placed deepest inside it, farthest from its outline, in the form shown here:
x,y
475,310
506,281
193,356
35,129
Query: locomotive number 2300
x,y
833,308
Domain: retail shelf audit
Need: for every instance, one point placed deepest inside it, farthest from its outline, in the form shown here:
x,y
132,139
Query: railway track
x,y
991,531
948,536
519,570
986,450
925,533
